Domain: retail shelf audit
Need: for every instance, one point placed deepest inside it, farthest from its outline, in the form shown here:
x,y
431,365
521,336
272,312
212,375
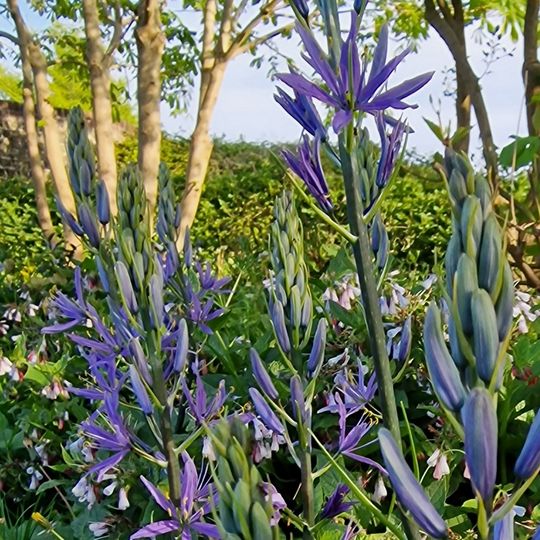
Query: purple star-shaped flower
x,y
349,88
187,519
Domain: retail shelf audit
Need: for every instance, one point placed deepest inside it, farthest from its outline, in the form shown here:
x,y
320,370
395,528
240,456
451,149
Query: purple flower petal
x,y
158,496
159,527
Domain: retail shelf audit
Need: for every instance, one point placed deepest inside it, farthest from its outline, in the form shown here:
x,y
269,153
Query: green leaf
x,y
49,484
520,153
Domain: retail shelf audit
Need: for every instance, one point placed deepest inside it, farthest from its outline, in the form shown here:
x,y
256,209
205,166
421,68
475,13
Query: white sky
x,y
246,108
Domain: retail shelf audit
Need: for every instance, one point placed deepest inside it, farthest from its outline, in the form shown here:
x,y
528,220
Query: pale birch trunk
x,y
36,167
150,42
100,83
53,148
217,52
201,148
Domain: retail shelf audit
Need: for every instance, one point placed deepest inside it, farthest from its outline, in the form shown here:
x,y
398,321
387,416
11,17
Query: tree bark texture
x,y
36,167
100,83
53,148
201,147
451,32
150,42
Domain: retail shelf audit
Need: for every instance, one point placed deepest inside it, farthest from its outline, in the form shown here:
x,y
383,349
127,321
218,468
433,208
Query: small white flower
x,y
99,529
42,453
35,478
208,449
32,309
109,490
523,311
440,464
429,281
123,501
5,365
84,492
380,490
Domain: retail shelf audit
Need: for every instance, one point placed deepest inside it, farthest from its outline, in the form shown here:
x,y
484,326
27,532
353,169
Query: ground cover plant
x,y
311,377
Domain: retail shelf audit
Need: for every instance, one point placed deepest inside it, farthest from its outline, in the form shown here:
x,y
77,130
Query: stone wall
x,y
13,147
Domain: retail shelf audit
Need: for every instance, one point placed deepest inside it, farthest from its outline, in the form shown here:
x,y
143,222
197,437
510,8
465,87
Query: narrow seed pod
x,y
182,347
479,421
316,356
451,259
483,192
505,302
405,342
529,457
126,288
458,187
296,307
155,292
471,225
504,528
280,330
409,492
489,259
265,412
465,283
455,347
442,369
485,334
260,525
140,391
297,398
85,178
140,359
102,203
68,218
261,375
88,224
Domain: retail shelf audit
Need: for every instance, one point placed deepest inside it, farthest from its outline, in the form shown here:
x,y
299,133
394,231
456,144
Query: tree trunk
x,y
53,148
200,148
531,66
455,42
463,91
150,42
36,167
100,83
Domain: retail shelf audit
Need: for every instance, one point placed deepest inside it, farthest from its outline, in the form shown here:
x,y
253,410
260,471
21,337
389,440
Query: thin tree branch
x,y
225,30
10,37
240,40
264,38
118,27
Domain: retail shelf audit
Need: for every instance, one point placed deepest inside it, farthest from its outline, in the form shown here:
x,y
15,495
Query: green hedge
x,y
236,209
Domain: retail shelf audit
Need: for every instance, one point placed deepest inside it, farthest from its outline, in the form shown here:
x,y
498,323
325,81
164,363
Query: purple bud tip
x,y
265,412
261,375
529,459
479,421
409,492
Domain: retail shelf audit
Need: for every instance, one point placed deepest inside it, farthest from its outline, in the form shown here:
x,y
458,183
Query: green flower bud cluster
x,y
91,197
368,165
168,211
291,305
245,510
478,276
366,155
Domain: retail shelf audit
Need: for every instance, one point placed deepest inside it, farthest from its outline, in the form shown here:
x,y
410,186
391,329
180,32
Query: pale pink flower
x,y
440,464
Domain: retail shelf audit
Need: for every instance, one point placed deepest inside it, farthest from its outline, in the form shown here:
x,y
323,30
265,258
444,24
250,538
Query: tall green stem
x,y
307,492
368,285
173,465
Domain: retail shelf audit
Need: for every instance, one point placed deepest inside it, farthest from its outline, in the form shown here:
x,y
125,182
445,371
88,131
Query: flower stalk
x,y
368,284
